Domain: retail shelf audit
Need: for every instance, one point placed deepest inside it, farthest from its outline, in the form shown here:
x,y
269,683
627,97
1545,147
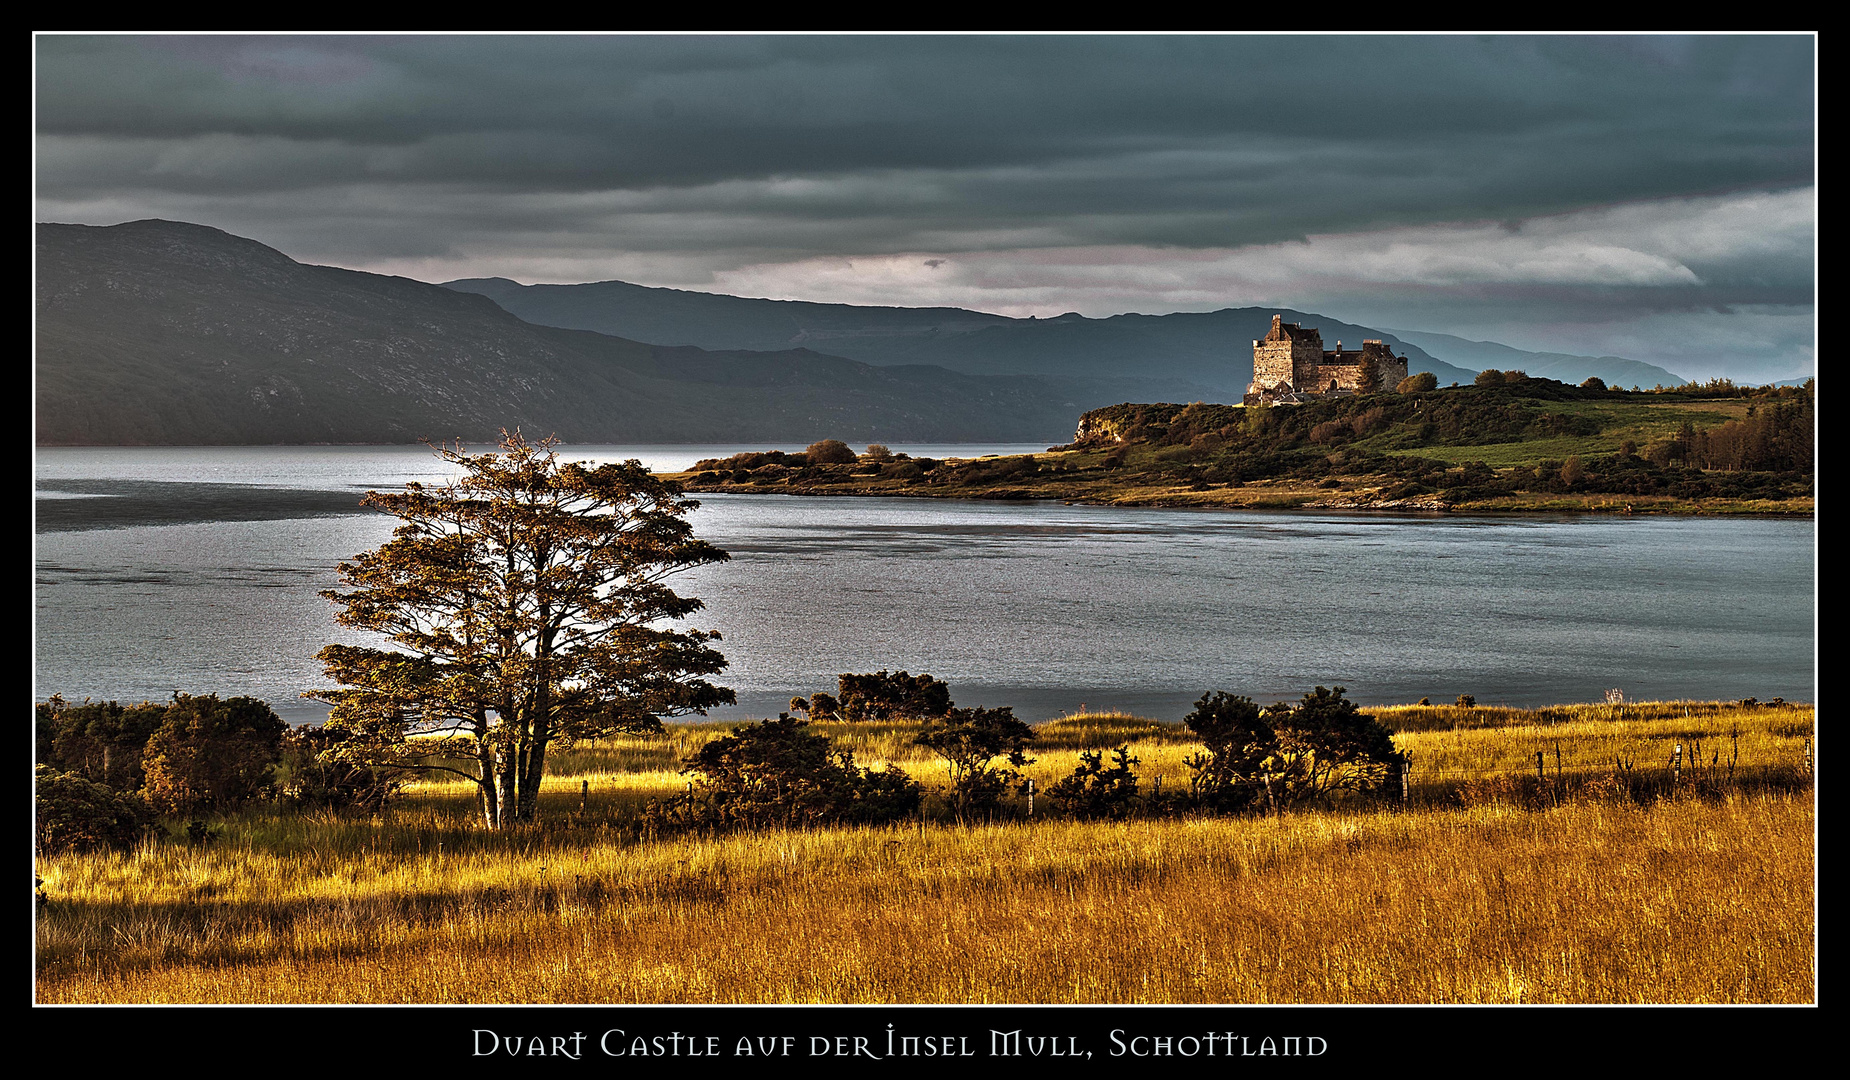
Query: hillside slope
x,y
159,332
1565,367
1187,356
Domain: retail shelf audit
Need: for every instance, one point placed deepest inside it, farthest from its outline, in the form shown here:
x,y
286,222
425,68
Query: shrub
x,y
1095,791
1328,431
310,773
1285,753
1489,377
74,814
968,740
880,696
1327,744
1229,774
1416,384
1593,382
830,452
100,741
212,755
778,772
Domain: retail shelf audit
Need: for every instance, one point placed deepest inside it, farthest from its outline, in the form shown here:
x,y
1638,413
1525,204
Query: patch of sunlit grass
x,y
1494,885
1697,901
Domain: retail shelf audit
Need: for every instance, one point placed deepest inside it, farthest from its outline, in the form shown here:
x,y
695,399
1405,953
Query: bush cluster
x,y
74,814
1286,754
878,697
311,773
779,772
1096,791
212,755
196,754
783,772
969,740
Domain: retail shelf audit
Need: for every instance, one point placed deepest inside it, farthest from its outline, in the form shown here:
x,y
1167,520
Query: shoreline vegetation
x,y
1621,852
1510,444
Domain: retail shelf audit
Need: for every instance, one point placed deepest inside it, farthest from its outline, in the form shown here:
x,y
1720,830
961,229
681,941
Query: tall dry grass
x,y
1684,895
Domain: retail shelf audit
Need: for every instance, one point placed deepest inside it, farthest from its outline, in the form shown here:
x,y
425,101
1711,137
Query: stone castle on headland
x,y
1290,365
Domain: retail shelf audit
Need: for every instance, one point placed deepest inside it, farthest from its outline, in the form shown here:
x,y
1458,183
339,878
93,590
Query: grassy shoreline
x,y
1525,446
1363,494
1588,883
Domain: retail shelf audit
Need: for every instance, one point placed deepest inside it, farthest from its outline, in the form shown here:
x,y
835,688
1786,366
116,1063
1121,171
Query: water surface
x,y
198,569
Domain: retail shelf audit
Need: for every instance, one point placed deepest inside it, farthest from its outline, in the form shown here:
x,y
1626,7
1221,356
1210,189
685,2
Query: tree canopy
x,y
525,605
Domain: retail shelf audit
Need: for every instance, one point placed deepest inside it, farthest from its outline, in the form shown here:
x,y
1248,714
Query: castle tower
x,y
1286,357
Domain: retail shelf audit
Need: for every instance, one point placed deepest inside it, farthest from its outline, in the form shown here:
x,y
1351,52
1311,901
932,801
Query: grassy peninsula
x,y
1510,443
1663,852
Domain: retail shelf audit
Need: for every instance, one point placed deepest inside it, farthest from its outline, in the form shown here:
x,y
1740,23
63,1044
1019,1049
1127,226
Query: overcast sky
x,y
1636,196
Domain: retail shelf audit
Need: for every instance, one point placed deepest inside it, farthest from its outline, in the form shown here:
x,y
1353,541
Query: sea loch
x,y
198,570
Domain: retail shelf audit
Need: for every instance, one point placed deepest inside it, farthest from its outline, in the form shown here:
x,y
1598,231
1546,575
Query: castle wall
x,y
1320,376
1274,363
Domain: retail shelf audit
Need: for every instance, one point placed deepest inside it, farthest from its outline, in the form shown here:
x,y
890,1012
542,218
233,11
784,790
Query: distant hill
x,y
1563,367
1188,356
161,332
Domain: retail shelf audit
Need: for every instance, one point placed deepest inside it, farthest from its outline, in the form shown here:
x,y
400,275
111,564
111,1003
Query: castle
x,y
1290,365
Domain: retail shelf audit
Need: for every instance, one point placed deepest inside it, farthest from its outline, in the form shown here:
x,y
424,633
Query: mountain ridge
x,y
157,332
1181,356
162,332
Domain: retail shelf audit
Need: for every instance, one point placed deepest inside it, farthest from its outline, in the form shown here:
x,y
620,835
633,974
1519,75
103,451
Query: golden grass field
x,y
1592,883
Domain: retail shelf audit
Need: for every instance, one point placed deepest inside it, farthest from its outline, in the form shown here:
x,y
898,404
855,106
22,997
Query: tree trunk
x,y
509,809
486,761
485,798
534,769
491,806
539,727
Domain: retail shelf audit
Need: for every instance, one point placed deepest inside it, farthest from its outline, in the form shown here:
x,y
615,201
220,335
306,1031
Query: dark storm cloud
x,y
1166,140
